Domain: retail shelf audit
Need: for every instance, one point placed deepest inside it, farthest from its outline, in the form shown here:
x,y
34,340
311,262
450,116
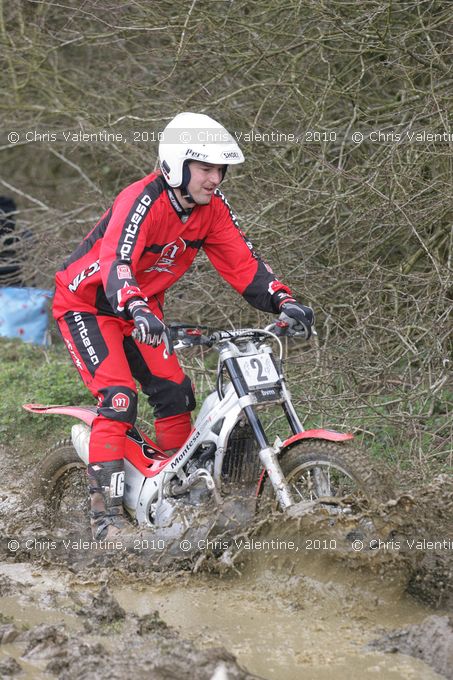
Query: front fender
x,y
328,435
321,433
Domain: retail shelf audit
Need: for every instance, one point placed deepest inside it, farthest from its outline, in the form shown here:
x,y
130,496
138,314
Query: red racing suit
x,y
139,248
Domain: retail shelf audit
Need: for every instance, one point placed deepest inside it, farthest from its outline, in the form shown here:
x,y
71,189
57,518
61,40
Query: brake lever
x,y
177,328
283,329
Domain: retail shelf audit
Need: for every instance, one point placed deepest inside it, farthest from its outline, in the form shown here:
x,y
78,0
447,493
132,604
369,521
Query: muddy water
x,y
310,625
310,621
282,615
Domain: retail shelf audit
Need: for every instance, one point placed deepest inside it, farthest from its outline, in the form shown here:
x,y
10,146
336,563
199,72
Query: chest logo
x,y
168,256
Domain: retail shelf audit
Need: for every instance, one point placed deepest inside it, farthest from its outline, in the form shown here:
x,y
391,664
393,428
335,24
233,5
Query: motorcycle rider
x,y
110,295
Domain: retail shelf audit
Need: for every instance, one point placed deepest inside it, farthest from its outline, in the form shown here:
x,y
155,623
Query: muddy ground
x,y
350,600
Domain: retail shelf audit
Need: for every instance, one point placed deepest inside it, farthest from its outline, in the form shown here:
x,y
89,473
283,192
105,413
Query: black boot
x,y
106,482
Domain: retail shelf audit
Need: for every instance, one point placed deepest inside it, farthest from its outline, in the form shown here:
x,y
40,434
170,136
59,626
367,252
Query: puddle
x,y
281,626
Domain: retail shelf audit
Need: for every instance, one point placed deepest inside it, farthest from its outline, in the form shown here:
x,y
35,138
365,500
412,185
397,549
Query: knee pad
x,y
173,398
118,403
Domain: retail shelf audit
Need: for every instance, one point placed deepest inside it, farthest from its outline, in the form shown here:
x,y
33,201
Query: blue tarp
x,y
24,314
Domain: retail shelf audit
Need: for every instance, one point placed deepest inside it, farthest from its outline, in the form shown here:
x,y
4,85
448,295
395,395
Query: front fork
x,y
267,454
269,459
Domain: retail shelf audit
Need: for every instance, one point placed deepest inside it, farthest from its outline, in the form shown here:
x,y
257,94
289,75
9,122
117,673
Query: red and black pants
x,y
109,362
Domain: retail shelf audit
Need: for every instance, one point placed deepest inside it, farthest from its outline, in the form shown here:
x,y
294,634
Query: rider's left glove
x,y
298,317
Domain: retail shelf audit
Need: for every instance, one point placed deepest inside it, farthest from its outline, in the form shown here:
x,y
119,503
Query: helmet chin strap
x,y
185,193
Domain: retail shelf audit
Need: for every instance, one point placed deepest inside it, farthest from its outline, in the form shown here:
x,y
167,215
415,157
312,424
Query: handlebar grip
x,y
166,339
296,327
168,342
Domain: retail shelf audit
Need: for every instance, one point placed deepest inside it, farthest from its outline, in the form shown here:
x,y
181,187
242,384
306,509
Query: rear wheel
x,y
62,485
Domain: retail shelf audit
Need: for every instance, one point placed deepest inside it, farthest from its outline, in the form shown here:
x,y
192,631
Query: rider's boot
x,y
106,482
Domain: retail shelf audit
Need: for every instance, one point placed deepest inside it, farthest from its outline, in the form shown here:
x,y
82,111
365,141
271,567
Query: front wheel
x,y
62,484
336,477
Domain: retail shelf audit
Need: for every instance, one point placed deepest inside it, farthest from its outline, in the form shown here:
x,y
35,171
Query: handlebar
x,y
191,336
181,335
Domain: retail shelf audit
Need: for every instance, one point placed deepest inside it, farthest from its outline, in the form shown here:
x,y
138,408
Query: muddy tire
x,y
316,469
61,483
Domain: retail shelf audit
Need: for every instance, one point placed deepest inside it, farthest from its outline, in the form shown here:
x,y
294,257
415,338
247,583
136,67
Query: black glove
x,y
148,328
297,316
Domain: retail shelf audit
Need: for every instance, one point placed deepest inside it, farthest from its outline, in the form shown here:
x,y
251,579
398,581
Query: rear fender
x,y
84,413
141,451
326,435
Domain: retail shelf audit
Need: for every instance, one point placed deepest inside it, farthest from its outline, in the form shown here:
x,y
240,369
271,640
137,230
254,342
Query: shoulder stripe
x,y
134,219
224,200
235,221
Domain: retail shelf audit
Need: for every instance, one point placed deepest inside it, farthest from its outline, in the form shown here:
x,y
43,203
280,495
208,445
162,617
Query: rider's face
x,y
204,180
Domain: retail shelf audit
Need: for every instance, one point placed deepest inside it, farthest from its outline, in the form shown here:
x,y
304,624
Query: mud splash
x,y
268,606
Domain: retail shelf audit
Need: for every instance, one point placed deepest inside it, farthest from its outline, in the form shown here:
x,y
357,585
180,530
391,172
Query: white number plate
x,y
258,370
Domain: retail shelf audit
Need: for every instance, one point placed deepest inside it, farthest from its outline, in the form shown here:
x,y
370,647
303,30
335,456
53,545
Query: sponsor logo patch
x,y
84,274
123,271
168,256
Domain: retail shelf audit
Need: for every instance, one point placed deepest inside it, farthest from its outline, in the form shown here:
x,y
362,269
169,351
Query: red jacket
x,y
146,241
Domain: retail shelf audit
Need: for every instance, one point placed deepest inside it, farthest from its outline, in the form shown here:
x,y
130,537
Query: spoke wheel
x,y
338,478
326,481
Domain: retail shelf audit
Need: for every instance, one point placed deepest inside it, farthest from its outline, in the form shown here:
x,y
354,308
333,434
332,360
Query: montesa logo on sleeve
x,y
123,271
129,234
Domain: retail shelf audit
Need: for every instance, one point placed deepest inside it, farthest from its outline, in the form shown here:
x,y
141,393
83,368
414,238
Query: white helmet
x,y
194,137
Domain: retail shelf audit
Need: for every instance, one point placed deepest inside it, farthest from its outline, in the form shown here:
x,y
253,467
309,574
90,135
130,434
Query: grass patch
x,y
32,374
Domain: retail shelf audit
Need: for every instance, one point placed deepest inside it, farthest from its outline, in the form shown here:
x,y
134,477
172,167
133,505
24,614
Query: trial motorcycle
x,y
227,467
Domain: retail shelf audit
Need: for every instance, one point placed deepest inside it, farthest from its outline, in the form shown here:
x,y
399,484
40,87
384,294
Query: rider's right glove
x,y
297,316
148,328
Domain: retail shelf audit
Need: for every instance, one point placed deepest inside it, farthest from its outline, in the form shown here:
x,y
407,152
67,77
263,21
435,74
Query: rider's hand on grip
x,y
167,340
298,317
148,328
